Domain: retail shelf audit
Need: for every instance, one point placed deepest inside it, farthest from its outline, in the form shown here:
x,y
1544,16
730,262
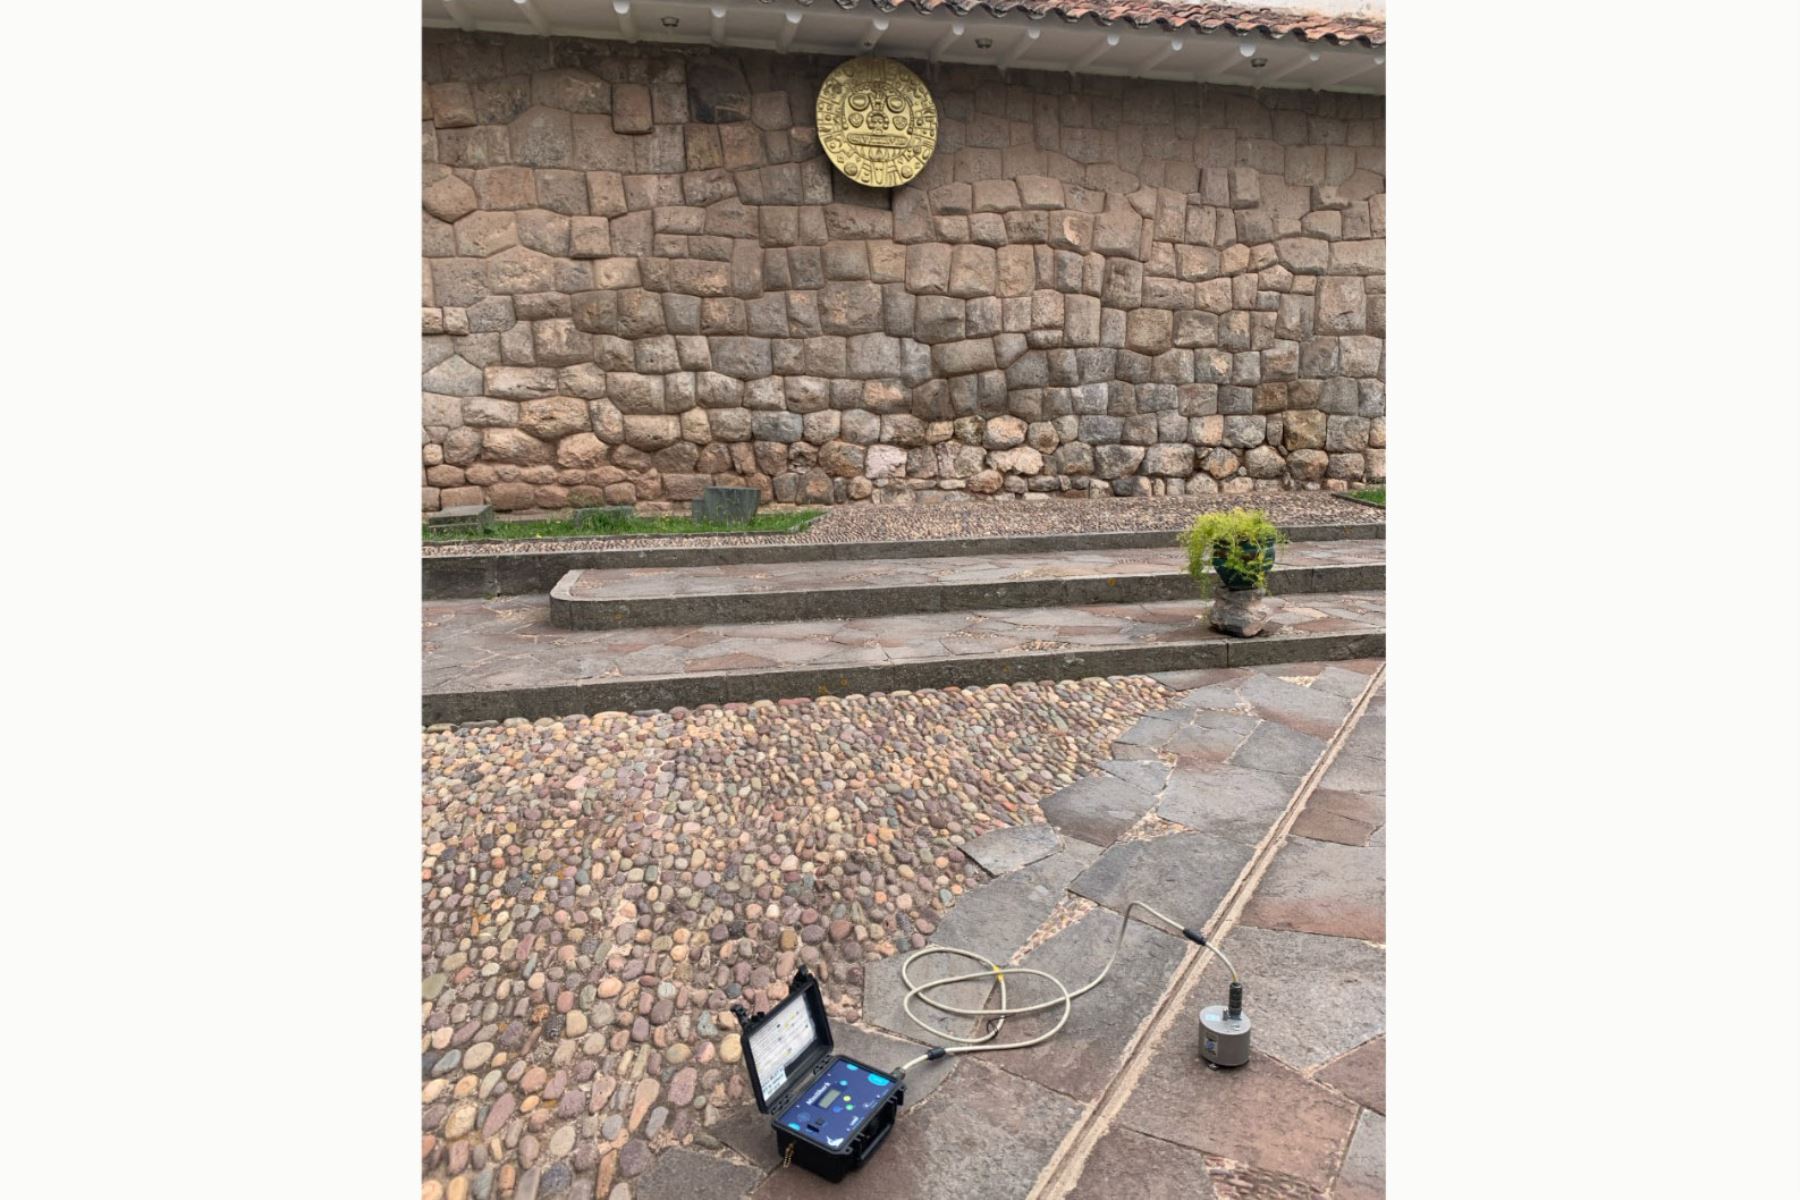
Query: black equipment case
x,y
807,1062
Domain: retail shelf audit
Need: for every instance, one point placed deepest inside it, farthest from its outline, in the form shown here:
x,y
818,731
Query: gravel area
x,y
597,891
978,518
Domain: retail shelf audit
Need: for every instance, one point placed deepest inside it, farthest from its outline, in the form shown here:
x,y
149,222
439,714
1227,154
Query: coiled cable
x,y
984,1042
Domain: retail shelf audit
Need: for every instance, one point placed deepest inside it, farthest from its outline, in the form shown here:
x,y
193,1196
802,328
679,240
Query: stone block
x,y
1242,432
847,307
1347,433
514,446
743,358
728,505
1169,460
1359,257
462,516
451,105
844,460
1304,430
542,137
973,271
553,417
1341,305
1071,231
1303,255
1149,330
1116,461
1081,320
1119,232
729,424
648,433
479,146
1264,462
1361,356
717,92
784,427
902,429
571,90
1022,460
963,357
928,268
1040,192
631,108
1003,433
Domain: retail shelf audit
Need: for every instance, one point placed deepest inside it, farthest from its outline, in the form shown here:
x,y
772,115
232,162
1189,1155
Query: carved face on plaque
x,y
876,121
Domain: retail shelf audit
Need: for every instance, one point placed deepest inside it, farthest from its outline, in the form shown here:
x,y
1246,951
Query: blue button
x,y
878,1081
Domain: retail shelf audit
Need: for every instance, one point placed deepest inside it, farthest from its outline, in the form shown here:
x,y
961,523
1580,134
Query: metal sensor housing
x,y
1225,1032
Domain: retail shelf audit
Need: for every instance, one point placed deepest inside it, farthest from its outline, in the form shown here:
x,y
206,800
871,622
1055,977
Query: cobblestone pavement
x,y
509,642
981,518
596,892
731,578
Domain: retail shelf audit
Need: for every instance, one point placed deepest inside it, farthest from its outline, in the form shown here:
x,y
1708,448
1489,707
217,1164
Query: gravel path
x,y
913,522
597,892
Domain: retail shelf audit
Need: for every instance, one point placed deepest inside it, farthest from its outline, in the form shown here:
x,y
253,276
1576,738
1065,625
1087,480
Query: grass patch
x,y
604,524
1374,495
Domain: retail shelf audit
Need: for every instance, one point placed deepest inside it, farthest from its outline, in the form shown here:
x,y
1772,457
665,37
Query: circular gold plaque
x,y
876,121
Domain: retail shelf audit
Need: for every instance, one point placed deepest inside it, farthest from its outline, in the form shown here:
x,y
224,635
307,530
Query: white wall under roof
x,y
1012,42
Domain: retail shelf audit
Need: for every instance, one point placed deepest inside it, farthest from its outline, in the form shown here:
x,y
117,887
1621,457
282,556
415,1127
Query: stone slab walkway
x,y
1307,1117
1119,1105
749,592
492,659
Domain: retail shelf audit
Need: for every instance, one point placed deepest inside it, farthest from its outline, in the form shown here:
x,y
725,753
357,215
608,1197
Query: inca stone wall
x,y
642,277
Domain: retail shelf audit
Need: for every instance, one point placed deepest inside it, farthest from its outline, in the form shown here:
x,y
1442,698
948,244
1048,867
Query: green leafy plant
x,y
1238,544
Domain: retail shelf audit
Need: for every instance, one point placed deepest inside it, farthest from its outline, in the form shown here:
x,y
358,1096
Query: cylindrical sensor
x,y
1224,1036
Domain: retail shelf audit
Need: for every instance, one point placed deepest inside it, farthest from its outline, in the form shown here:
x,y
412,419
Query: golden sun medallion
x,y
876,121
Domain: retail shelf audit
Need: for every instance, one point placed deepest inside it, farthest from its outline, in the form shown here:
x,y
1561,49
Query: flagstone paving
x,y
597,891
506,650
1307,1118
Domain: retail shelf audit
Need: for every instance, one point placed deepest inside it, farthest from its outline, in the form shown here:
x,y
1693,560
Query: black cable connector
x,y
1235,1006
935,1053
1194,936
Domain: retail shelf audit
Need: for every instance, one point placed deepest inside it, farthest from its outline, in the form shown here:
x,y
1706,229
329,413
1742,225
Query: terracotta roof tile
x,y
1169,14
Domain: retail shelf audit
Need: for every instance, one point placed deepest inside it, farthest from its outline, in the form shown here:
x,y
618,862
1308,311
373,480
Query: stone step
x,y
804,591
470,571
499,658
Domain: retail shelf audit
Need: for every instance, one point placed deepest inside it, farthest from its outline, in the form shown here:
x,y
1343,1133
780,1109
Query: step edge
x,y
556,700
608,613
464,576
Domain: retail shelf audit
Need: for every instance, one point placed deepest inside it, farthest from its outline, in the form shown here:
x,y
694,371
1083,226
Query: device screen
x,y
845,1096
780,1040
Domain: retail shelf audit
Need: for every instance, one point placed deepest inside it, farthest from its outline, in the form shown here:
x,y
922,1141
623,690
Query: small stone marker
x,y
1241,612
731,505
477,516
